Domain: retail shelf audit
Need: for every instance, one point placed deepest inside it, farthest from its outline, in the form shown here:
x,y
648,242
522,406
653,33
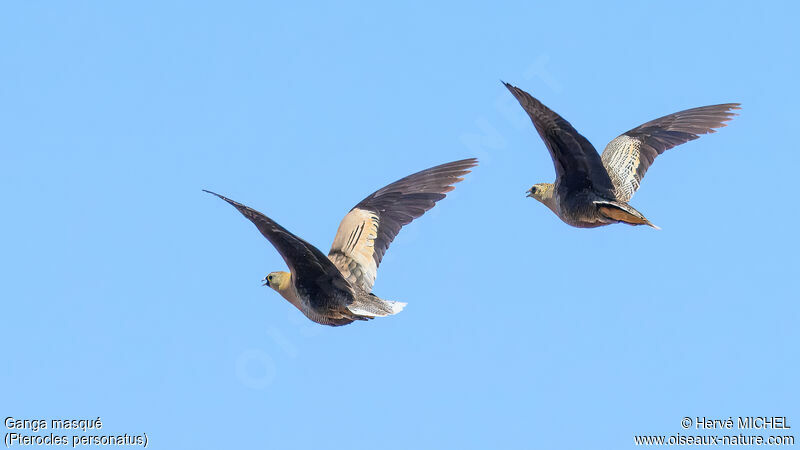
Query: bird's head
x,y
278,281
541,191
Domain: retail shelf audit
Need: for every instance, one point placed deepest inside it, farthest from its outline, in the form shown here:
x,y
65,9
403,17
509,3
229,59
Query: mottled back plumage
x,y
336,289
592,190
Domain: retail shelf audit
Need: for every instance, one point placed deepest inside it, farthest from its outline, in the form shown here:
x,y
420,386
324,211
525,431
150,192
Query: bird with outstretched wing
x,y
337,289
593,190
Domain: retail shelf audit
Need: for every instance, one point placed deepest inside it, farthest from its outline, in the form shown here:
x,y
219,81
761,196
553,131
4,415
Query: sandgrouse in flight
x,y
337,289
593,190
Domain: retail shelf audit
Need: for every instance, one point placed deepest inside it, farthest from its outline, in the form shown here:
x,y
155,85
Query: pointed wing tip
x,y
469,163
515,91
235,204
729,115
464,169
733,107
461,167
217,195
730,107
716,116
454,172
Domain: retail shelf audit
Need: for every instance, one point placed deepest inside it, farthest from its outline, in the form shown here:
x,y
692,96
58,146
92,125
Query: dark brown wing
x,y
367,230
629,155
578,166
314,275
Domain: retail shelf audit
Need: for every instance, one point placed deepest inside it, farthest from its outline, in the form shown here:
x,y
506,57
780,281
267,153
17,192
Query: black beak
x,y
266,281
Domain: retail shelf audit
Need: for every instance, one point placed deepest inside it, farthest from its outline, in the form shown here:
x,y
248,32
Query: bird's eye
x,y
269,278
533,189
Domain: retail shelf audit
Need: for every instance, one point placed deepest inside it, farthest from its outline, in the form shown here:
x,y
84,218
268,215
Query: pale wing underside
x,y
354,246
627,157
367,230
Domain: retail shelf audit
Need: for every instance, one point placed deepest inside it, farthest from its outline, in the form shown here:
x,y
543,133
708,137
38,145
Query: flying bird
x,y
337,289
593,190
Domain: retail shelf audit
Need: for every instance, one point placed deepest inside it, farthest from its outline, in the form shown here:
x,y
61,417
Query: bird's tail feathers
x,y
374,306
652,225
624,213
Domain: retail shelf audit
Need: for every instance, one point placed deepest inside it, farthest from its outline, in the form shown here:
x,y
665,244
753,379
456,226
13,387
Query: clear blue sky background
x,y
131,295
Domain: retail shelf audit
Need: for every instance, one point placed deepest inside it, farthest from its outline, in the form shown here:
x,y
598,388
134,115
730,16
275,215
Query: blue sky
x,y
131,295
